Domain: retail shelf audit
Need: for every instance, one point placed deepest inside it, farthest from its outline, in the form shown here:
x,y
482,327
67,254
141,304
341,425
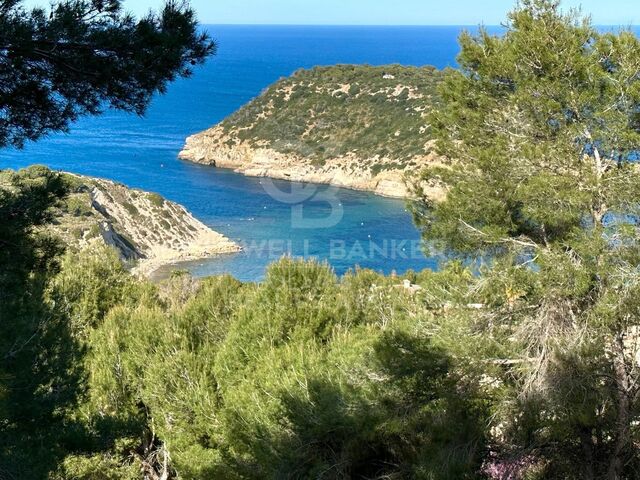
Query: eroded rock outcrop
x,y
211,148
143,227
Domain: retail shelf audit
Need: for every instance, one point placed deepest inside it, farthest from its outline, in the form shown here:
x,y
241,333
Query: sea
x,y
345,228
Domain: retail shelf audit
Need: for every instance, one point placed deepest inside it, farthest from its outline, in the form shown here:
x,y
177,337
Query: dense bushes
x,y
303,376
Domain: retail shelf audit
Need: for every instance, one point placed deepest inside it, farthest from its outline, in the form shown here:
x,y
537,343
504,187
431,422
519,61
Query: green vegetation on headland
x,y
522,368
329,112
354,126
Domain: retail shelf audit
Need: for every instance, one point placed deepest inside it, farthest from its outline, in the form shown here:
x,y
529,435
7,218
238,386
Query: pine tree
x,y
541,131
82,56
57,65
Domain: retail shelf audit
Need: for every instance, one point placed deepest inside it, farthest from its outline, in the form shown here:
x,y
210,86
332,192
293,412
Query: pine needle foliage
x,y
540,126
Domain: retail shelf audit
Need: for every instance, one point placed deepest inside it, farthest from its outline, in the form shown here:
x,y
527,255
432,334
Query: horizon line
x,y
619,25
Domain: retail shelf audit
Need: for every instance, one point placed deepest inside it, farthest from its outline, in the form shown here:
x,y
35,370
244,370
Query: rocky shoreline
x,y
213,147
148,231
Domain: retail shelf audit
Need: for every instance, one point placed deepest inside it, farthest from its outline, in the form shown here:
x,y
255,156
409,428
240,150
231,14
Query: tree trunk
x,y
623,428
586,439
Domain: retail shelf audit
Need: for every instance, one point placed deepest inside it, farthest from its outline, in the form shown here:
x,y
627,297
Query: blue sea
x,y
371,231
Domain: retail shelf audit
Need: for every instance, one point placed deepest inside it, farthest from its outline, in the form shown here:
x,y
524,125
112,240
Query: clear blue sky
x,y
379,12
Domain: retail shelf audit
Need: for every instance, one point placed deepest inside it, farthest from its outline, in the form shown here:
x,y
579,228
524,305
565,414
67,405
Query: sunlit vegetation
x,y
304,375
329,112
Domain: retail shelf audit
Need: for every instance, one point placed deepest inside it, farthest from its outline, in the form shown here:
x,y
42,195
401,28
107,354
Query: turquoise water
x,y
372,232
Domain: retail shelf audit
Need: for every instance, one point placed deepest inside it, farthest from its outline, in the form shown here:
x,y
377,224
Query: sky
x,y
378,12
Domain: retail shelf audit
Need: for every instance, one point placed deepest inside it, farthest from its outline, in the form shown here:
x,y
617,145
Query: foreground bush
x,y
286,379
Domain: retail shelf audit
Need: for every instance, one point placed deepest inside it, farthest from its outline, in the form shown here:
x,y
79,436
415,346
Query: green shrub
x,y
78,205
302,374
131,209
155,199
92,282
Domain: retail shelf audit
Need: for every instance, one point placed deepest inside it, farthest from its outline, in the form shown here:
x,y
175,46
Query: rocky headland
x,y
147,230
358,127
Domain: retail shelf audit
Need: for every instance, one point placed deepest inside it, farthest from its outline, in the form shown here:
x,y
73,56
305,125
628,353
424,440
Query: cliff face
x,y
211,148
357,127
142,226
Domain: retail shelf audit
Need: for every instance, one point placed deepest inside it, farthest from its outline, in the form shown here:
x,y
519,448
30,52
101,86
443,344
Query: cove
x,y
369,231
372,232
